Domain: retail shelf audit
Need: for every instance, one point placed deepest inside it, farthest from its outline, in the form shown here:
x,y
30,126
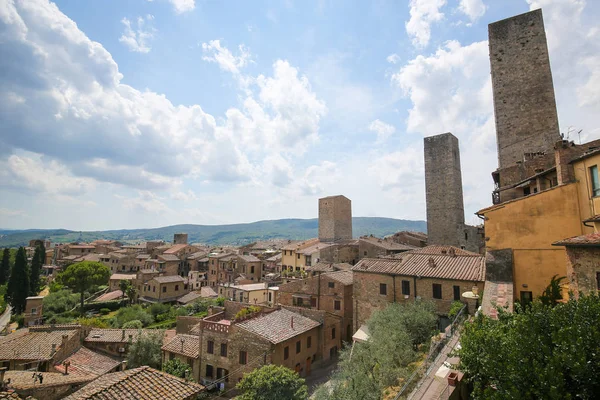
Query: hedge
x,y
111,305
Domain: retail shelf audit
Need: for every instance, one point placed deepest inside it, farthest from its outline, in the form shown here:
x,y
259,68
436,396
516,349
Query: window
x,y
223,349
526,297
595,181
337,305
33,310
298,256
406,288
298,346
308,342
526,191
456,292
313,301
330,284
176,288
286,353
365,253
437,291
153,288
333,333
210,347
597,280
252,269
243,357
164,289
382,288
299,301
209,371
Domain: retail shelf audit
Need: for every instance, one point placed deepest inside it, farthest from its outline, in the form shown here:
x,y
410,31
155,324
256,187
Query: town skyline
x,y
353,126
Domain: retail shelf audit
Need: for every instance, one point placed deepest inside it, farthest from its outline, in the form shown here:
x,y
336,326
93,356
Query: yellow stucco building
x,y
530,224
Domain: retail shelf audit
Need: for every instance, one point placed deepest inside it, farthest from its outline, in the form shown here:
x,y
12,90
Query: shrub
x,y
133,324
59,302
176,367
111,305
455,307
93,322
105,311
157,309
127,314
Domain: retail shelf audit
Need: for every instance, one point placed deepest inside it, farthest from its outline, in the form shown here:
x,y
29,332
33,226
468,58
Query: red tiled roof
x,y
85,362
344,277
385,244
591,240
279,326
32,344
187,345
114,295
168,257
174,249
139,383
430,262
168,279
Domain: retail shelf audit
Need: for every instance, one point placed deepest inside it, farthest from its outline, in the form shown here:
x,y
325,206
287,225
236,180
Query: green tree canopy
x,y
84,275
146,350
39,256
18,283
272,382
539,352
124,284
5,267
178,368
134,313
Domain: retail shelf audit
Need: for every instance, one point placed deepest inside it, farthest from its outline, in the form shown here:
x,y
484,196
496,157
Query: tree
x,y
131,294
124,284
272,382
540,352
126,314
84,275
36,268
553,292
178,368
146,350
5,267
133,324
18,283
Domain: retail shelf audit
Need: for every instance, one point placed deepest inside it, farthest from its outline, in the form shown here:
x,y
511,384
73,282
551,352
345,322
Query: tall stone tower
x,y
524,103
180,238
443,190
335,218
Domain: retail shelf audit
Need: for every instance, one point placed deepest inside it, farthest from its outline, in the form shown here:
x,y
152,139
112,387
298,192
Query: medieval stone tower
x,y
180,238
443,190
524,103
335,218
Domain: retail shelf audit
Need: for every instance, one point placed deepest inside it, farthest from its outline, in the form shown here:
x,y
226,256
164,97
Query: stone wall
x,y
335,218
524,103
582,269
443,189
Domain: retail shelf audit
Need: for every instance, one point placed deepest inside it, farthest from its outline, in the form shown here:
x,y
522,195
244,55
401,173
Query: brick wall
x,y
524,103
582,267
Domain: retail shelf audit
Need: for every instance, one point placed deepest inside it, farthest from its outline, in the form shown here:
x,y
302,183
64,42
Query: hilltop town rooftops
x,y
187,345
114,295
344,277
249,258
32,344
590,240
138,383
168,257
313,248
322,266
275,258
169,279
443,262
385,244
81,246
176,248
189,297
22,380
142,256
85,361
297,245
279,325
123,276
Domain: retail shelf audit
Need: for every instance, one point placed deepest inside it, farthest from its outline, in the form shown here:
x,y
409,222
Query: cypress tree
x,y
18,283
5,266
36,267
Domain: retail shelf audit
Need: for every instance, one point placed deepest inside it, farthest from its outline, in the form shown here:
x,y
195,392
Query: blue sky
x,y
136,113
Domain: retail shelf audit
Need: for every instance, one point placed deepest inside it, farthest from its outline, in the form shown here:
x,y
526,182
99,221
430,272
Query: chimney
x,y
65,339
123,335
123,365
431,262
452,252
53,348
67,364
292,322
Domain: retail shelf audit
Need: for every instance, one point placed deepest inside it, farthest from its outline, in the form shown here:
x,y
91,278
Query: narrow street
x,y
319,376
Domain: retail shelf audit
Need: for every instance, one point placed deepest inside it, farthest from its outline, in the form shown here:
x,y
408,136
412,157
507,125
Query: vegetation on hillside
x,y
236,234
83,276
272,382
397,338
538,352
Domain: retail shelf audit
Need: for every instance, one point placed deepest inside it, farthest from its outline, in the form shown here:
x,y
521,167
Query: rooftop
x,y
99,335
590,240
279,326
328,267
249,258
168,257
138,383
443,262
187,345
295,245
386,244
86,362
27,344
22,380
114,295
126,277
188,298
168,279
176,248
247,287
344,277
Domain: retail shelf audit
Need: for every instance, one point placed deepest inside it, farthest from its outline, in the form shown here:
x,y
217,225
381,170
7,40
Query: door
x,y
308,362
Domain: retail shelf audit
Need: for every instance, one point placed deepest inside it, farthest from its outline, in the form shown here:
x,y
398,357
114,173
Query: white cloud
x,y
137,39
94,126
9,213
224,58
474,9
146,201
278,170
184,196
183,6
393,58
422,14
383,130
317,178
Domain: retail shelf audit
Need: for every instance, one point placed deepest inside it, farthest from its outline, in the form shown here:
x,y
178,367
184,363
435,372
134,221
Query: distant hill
x,y
235,234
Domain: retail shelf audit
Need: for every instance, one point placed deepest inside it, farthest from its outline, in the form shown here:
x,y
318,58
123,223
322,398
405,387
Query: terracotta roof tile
x,y
32,345
431,262
168,279
86,362
187,345
176,248
344,277
591,240
385,244
279,326
139,383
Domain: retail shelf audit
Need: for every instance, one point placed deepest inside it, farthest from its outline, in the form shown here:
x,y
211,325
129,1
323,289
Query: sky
x,y
120,114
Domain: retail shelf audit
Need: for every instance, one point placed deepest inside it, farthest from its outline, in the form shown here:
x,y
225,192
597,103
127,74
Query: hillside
x,y
236,234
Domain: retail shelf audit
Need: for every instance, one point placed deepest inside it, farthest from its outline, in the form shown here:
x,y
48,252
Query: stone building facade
x,y
524,102
583,263
335,218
